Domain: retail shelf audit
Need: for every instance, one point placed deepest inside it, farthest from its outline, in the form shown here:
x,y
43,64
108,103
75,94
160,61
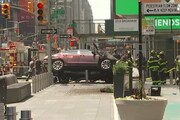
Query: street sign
x,y
69,30
177,37
160,8
48,31
65,36
148,27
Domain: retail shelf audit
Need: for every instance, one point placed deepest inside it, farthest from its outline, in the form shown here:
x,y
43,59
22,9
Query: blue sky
x,y
100,8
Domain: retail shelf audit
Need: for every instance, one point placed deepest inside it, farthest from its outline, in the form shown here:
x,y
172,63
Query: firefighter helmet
x,y
152,52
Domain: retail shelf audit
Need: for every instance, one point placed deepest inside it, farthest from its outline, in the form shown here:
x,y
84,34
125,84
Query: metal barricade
x,y
41,81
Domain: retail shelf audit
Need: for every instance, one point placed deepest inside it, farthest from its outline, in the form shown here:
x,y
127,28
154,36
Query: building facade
x,y
26,23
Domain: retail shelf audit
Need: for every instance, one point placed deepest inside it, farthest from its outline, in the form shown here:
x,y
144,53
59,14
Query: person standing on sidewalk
x,y
162,68
38,66
153,66
31,69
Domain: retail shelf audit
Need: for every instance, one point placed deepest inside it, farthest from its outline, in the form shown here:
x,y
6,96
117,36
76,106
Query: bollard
x,y
25,115
86,74
171,77
11,113
33,85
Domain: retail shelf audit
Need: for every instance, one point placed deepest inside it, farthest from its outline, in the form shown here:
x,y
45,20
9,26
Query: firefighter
x,y
153,66
177,66
162,68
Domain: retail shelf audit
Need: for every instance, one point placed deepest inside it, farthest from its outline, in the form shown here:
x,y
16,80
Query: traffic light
x,y
40,11
30,7
5,9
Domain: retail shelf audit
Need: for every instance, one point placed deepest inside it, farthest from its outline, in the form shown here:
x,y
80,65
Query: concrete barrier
x,y
18,92
14,92
10,79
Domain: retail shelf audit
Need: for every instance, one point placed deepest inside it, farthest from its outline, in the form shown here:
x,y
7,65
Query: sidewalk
x,y
86,102
172,93
69,102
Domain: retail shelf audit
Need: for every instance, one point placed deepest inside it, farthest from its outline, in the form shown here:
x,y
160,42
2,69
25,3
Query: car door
x,y
86,58
72,58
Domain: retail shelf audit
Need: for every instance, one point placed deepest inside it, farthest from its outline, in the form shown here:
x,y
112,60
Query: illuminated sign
x,y
166,22
126,7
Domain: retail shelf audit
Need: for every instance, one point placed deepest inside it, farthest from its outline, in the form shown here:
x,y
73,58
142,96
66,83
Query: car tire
x,y
57,65
105,64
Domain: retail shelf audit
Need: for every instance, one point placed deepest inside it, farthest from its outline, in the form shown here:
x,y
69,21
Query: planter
x,y
152,109
121,85
118,81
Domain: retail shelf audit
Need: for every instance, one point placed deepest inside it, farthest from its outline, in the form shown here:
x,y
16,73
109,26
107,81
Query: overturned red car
x,y
72,64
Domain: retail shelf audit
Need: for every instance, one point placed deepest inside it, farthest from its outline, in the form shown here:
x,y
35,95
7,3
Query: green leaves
x,y
120,67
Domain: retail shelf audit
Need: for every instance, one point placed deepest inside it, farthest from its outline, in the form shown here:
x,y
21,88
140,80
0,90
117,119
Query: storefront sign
x,y
125,25
166,22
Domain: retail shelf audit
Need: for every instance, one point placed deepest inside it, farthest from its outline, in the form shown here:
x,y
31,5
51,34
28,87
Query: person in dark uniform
x,y
153,66
38,66
162,67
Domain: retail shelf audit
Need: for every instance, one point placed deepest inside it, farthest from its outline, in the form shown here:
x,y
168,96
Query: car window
x,y
85,52
70,52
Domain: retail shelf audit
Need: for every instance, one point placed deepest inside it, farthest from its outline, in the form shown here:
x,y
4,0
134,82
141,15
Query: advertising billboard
x,y
126,7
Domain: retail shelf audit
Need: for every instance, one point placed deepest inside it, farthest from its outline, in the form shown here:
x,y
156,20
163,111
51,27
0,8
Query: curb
x,y
116,115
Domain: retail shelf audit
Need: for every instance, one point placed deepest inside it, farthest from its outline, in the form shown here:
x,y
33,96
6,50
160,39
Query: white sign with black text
x,y
160,8
125,25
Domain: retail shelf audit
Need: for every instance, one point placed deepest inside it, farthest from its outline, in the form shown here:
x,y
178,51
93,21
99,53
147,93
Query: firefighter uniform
x,y
162,67
177,66
153,66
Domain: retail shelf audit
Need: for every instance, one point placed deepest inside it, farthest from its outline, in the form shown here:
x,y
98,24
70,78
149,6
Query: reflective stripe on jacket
x,y
153,63
162,65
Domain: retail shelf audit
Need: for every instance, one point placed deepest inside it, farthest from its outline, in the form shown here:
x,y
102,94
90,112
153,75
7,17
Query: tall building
x,y
66,11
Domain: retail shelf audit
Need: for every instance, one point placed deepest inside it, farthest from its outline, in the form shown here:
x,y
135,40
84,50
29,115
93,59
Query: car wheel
x,y
105,64
57,65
